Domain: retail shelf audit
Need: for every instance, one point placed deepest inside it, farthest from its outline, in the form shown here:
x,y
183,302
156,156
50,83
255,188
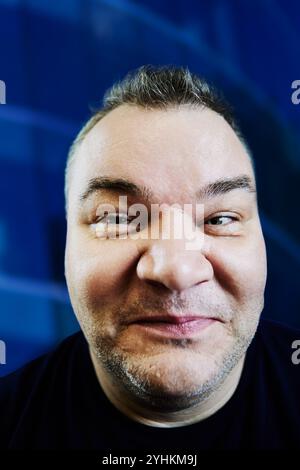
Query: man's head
x,y
163,136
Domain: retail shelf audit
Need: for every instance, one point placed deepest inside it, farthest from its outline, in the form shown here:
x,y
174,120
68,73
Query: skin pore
x,y
178,155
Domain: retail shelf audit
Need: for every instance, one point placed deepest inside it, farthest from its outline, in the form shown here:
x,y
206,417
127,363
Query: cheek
x,y
240,266
100,275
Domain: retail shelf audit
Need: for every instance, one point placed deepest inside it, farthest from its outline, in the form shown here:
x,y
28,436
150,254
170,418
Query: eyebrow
x,y
226,185
121,185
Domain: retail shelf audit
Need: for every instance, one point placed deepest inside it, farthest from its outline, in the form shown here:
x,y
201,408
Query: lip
x,y
174,326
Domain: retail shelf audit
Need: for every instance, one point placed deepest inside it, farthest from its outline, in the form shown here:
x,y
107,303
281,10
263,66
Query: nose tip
x,y
175,269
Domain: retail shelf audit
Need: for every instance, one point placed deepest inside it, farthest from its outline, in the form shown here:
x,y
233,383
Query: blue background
x,y
58,57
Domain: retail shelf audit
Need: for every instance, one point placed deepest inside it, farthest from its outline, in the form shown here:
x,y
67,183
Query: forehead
x,y
168,150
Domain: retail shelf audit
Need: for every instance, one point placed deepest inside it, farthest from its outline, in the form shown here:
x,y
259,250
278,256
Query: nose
x,y
170,264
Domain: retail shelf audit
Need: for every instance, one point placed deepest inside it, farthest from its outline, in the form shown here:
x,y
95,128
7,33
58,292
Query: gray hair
x,y
157,88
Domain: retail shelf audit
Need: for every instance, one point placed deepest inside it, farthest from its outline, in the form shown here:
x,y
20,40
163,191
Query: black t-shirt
x,y
56,402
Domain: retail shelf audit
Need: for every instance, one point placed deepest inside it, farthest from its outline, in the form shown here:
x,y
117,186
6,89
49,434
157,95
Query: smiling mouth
x,y
173,326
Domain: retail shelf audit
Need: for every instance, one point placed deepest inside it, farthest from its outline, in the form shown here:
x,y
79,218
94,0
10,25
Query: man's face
x,y
116,285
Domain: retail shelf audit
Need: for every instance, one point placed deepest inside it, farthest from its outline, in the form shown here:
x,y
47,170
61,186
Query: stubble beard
x,y
135,378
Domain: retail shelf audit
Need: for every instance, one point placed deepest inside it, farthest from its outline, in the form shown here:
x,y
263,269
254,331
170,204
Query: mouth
x,y
173,326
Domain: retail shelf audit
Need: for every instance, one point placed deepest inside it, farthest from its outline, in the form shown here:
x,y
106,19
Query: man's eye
x,y
221,220
112,225
117,219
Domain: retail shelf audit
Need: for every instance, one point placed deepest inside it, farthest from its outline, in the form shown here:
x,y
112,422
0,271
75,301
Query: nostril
x,y
156,284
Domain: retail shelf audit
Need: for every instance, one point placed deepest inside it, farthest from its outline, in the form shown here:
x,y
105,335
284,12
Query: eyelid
x,y
232,215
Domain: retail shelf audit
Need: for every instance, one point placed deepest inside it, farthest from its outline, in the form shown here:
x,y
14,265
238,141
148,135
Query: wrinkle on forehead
x,y
172,149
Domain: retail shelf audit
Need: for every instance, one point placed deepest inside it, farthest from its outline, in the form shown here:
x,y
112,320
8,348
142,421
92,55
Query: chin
x,y
173,383
167,396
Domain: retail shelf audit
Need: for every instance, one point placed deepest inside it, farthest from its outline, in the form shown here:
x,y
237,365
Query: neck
x,y
126,403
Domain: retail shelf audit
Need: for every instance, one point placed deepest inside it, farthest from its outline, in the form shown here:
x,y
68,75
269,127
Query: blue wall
x,y
58,57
